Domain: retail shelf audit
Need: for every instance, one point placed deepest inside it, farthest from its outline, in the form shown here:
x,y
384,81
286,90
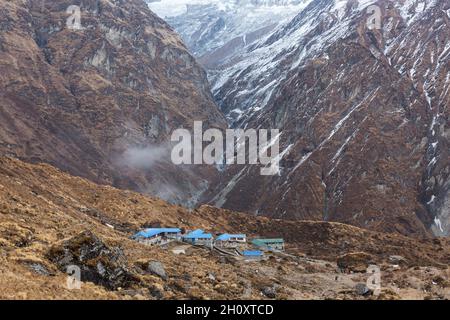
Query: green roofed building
x,y
269,244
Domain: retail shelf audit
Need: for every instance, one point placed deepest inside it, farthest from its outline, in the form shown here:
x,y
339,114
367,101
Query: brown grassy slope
x,y
327,240
41,206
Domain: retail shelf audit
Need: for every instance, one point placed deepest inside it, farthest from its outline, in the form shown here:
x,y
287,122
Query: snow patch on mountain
x,y
171,8
207,25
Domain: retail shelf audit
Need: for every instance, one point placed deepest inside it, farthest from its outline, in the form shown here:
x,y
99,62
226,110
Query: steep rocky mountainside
x,y
215,30
100,101
49,219
364,114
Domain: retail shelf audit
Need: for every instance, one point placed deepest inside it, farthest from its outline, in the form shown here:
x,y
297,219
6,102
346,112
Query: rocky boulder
x,y
157,268
362,290
270,292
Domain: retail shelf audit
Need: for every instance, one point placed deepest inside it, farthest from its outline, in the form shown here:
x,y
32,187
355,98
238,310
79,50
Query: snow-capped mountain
x,y
214,29
364,113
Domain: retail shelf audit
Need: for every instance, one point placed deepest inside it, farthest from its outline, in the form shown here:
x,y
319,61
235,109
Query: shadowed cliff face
x,y
91,100
364,115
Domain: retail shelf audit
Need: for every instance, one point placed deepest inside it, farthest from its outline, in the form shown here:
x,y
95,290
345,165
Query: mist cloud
x,y
145,157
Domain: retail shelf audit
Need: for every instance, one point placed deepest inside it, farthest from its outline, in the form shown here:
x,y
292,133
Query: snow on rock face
x,y
208,25
321,24
441,226
361,108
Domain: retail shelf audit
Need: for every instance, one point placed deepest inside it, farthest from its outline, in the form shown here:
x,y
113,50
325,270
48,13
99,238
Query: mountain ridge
x,y
101,101
364,114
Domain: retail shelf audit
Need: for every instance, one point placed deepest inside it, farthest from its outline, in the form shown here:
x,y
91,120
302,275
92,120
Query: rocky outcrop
x,y
100,99
98,263
354,262
157,268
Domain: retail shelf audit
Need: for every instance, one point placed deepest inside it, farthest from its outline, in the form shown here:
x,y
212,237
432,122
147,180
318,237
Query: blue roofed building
x,y
199,237
157,236
227,240
252,255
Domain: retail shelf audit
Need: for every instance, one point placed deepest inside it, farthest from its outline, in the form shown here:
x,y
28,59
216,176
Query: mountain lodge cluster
x,y
237,242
